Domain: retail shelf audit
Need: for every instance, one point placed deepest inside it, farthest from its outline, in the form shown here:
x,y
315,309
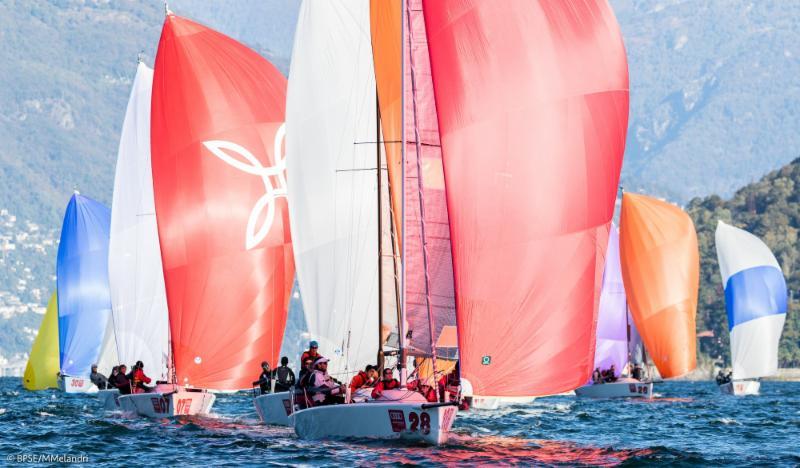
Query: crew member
x,y
284,376
140,379
312,352
324,389
365,378
387,383
264,378
122,382
98,379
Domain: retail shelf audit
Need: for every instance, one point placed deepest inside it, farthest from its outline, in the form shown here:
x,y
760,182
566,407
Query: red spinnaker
x,y
220,196
532,100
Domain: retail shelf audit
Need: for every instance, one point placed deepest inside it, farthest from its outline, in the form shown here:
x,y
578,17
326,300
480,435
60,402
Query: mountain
x,y
67,71
715,99
770,209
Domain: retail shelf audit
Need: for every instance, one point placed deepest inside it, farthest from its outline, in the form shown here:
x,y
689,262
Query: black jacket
x,y
122,384
284,378
99,380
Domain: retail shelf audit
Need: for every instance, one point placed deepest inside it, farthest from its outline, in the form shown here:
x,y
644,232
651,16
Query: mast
x,y
418,145
380,230
401,305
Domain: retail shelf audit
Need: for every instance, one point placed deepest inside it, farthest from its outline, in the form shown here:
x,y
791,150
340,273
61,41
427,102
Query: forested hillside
x,y
770,209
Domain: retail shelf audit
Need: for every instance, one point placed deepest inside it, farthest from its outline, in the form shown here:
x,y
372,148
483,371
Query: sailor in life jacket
x,y
324,389
284,376
312,352
388,383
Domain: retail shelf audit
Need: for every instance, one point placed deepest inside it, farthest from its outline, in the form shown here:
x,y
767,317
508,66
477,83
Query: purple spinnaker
x,y
612,332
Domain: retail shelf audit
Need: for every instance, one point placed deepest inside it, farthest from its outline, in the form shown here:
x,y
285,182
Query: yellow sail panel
x,y
385,27
41,372
660,269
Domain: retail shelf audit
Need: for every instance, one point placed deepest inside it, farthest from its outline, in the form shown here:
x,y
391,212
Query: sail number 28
x,y
416,421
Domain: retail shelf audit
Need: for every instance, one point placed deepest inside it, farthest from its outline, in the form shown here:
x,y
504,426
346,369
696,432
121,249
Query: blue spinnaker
x,y
84,301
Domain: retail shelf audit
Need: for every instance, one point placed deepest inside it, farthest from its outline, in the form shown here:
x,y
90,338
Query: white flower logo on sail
x,y
221,149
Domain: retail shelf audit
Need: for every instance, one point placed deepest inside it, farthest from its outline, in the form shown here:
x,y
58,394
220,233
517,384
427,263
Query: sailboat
x,y
136,279
756,302
217,127
84,303
525,317
41,371
614,334
660,270
347,248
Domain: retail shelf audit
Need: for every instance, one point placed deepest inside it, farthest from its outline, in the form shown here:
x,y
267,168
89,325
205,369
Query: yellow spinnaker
x,y
42,369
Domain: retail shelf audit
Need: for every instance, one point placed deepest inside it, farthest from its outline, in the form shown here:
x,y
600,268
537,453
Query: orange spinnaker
x,y
660,263
385,17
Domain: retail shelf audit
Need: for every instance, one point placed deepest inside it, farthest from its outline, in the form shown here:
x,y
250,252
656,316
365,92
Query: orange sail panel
x,y
220,197
660,269
385,23
532,102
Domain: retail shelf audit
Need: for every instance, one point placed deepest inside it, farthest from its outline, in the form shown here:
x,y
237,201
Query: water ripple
x,y
689,424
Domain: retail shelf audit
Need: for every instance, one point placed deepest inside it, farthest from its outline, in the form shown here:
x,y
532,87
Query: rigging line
x,y
431,325
369,142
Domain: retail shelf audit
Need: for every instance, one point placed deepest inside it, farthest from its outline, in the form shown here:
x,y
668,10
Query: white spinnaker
x,y
739,250
135,273
754,343
754,347
332,190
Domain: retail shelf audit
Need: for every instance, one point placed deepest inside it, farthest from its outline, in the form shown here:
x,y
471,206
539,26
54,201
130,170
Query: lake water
x,y
690,423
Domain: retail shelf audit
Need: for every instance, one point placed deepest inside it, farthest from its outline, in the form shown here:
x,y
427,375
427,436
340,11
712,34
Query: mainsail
x,y
755,299
220,196
331,139
41,371
660,264
532,104
136,278
612,316
84,301
427,262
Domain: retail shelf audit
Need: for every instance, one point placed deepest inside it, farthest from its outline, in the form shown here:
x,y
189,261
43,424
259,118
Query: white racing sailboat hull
x,y
168,404
624,388
274,408
69,384
408,417
741,387
109,399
